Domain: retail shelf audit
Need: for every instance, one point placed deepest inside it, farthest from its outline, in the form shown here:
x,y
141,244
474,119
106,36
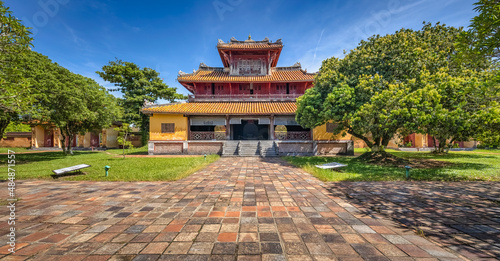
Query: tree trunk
x,y
359,136
3,125
442,145
123,145
70,141
63,140
377,148
145,130
385,141
450,144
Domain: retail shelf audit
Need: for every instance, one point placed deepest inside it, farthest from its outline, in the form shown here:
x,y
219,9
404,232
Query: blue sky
x,y
169,36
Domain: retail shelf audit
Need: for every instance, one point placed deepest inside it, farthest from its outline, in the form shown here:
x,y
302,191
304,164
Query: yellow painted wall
x,y
319,133
181,127
39,136
110,137
16,142
39,133
57,138
86,140
420,140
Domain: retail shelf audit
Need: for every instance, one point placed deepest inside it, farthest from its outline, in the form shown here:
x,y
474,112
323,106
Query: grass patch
x,y
466,167
40,166
6,150
134,151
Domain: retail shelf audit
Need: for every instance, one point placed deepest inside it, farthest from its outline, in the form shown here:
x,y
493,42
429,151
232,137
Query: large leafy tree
x,y
14,94
137,85
456,108
378,89
483,37
73,103
482,40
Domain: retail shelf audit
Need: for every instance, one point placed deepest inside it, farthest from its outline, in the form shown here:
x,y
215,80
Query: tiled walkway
x,y
235,209
464,216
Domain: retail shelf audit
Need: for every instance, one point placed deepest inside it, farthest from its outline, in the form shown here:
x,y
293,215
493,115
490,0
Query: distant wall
x,y
16,140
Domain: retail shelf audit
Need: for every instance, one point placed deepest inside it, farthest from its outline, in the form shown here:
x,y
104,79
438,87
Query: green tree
x,y
489,127
456,108
377,89
483,37
73,103
14,94
124,136
78,105
17,127
137,85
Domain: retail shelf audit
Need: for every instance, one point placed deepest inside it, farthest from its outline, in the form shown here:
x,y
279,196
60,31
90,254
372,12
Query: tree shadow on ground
x,y
359,170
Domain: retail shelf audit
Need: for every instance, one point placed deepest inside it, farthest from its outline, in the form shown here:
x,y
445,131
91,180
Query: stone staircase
x,y
268,148
250,148
230,148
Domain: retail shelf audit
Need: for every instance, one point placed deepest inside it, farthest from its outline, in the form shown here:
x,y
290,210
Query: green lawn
x,y
134,151
6,150
40,166
468,167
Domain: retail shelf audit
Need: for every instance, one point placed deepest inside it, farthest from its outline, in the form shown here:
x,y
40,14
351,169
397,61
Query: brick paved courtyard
x,y
464,216
235,209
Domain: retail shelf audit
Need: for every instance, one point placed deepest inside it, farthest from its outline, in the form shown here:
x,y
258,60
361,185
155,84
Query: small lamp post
x,y
407,171
106,168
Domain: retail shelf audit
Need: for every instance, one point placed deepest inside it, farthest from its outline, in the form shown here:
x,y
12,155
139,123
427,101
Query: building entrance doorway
x,y
48,139
249,130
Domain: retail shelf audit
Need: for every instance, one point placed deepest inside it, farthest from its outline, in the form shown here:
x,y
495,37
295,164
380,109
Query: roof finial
x,y
249,37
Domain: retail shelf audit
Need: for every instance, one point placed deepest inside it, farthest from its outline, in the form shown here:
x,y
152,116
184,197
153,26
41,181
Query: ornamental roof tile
x,y
223,108
249,44
222,76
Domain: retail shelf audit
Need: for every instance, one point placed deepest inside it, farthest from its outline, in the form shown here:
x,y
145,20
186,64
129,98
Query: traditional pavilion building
x,y
247,108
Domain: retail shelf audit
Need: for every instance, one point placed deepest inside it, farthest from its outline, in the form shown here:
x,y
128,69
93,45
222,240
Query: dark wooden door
x,y
430,141
73,143
410,138
94,140
48,140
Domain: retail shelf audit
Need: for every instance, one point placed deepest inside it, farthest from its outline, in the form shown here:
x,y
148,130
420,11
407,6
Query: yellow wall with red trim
x,y
181,127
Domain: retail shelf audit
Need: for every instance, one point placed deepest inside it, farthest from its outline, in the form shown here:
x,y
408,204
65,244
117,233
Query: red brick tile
x,y
227,237
216,214
173,228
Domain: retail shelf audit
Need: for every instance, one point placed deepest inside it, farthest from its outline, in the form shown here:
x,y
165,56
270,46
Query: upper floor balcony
x,y
243,97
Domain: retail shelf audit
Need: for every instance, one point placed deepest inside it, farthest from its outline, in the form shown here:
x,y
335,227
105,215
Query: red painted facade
x,y
249,74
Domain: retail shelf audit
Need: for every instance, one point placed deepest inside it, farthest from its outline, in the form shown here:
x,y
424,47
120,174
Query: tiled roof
x,y
221,76
223,108
250,46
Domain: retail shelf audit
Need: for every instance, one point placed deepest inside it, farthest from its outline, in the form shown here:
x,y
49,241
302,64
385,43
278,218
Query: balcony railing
x,y
289,135
207,135
242,97
293,135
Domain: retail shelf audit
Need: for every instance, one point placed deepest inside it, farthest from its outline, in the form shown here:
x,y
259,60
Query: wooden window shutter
x,y
167,127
